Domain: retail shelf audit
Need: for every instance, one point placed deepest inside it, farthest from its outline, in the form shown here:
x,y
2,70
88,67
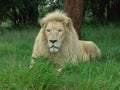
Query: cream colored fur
x,y
71,48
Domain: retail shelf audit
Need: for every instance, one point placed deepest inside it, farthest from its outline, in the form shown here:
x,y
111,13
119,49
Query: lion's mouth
x,y
54,49
53,46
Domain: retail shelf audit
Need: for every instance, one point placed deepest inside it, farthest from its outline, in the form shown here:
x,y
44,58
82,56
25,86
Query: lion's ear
x,y
42,23
68,23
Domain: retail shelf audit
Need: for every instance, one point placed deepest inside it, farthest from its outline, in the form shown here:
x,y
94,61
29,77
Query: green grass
x,y
15,53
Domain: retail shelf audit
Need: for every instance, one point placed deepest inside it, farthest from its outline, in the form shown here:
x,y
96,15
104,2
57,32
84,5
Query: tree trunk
x,y
74,10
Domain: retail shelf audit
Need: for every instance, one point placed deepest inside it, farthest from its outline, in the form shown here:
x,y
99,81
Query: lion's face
x,y
55,34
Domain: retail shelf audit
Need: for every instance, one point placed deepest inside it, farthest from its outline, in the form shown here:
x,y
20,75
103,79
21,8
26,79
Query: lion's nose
x,y
53,41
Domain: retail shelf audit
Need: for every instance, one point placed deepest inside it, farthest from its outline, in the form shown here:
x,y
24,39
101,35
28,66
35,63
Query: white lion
x,y
58,41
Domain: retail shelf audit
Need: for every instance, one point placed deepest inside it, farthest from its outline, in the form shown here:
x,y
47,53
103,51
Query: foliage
x,y
28,11
103,10
48,6
15,53
25,11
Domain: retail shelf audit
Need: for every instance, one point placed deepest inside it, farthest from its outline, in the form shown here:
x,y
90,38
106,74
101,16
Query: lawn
x,y
15,53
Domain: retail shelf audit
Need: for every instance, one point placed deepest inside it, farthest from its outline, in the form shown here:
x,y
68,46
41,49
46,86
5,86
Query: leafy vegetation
x,y
15,53
27,11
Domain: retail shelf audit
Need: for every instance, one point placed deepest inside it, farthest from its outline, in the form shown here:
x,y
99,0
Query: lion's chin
x,y
54,50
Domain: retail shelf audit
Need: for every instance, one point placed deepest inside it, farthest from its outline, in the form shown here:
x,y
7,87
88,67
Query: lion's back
x,y
90,49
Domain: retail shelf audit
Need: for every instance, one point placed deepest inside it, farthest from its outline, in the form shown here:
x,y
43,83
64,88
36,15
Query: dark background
x,y
21,12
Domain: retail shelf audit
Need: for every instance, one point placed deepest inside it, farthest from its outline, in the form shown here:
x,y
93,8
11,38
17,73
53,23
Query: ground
x,y
15,52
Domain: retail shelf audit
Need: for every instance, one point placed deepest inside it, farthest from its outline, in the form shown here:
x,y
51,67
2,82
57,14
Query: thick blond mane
x,y
56,15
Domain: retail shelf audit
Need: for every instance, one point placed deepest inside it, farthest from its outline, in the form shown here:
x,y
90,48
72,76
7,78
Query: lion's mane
x,y
72,49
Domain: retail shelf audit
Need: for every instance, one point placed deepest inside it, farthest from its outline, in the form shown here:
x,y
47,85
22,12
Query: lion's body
x,y
71,48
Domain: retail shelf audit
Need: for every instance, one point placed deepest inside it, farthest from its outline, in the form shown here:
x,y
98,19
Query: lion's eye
x,y
48,30
60,30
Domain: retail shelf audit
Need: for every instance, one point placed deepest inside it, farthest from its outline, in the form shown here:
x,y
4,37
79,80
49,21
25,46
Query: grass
x,y
15,52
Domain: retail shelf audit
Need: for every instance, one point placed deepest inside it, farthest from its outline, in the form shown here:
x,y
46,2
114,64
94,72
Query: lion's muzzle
x,y
53,46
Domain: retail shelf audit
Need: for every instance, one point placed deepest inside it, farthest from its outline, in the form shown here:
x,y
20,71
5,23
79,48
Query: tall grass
x,y
15,53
